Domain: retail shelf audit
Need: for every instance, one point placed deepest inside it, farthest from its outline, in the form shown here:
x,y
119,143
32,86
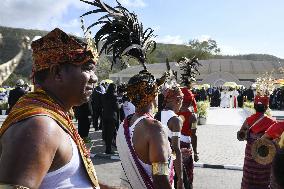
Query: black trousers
x,y
97,126
109,129
83,126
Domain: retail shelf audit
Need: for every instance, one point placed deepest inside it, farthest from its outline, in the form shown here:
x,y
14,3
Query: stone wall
x,y
7,68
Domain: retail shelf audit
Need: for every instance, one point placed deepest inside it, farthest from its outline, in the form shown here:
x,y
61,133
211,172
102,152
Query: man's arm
x,y
159,153
245,126
175,125
28,149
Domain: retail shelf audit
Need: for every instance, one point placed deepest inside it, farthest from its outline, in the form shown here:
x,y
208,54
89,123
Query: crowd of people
x,y
231,97
112,109
40,147
44,116
106,109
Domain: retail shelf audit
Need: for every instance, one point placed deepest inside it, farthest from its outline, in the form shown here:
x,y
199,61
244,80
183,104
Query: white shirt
x,y
71,175
165,117
128,108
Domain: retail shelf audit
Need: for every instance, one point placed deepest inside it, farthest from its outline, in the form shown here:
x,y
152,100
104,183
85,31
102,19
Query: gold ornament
x,y
160,168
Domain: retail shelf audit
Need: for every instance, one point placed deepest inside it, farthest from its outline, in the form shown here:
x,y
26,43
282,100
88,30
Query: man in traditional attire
x,y
255,175
173,97
142,142
188,136
187,112
39,131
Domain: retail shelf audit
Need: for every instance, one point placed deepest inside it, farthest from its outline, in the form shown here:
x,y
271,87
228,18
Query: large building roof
x,y
213,71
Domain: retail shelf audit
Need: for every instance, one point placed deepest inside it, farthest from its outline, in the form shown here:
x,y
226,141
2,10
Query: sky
x,y
238,26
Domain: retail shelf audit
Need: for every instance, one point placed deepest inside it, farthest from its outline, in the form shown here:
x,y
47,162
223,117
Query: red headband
x,y
261,100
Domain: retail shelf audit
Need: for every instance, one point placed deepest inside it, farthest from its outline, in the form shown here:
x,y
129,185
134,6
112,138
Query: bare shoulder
x,y
176,120
158,142
34,128
35,140
175,124
154,126
40,132
155,131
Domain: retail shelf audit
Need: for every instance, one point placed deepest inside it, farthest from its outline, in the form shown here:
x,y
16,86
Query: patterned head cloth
x,y
57,47
264,100
143,88
172,93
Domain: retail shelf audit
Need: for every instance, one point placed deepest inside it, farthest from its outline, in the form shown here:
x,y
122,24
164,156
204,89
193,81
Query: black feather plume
x,y
189,68
168,64
121,33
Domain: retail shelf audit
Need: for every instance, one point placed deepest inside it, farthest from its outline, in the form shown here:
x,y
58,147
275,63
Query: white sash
x,y
130,176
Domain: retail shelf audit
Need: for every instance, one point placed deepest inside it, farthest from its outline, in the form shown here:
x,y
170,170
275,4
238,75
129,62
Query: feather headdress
x,y
189,68
171,78
123,35
121,32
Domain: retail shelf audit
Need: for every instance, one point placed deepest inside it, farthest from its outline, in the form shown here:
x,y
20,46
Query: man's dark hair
x,y
260,108
41,76
278,167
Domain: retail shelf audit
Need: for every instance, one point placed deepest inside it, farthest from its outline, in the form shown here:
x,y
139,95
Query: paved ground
x,y
109,172
226,116
217,141
217,144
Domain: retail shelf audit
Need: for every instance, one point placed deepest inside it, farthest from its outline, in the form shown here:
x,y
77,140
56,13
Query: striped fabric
x,y
187,162
255,175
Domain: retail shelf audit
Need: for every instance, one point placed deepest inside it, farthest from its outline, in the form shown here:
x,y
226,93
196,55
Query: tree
x,y
204,49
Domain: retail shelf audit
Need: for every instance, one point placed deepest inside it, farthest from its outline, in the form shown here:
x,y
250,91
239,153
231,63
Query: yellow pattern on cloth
x,y
39,103
142,94
142,88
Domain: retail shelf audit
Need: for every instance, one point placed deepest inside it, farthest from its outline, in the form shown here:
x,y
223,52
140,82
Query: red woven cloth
x,y
186,127
262,125
189,98
275,130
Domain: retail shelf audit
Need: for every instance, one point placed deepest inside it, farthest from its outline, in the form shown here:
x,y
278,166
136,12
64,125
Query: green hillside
x,y
13,36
